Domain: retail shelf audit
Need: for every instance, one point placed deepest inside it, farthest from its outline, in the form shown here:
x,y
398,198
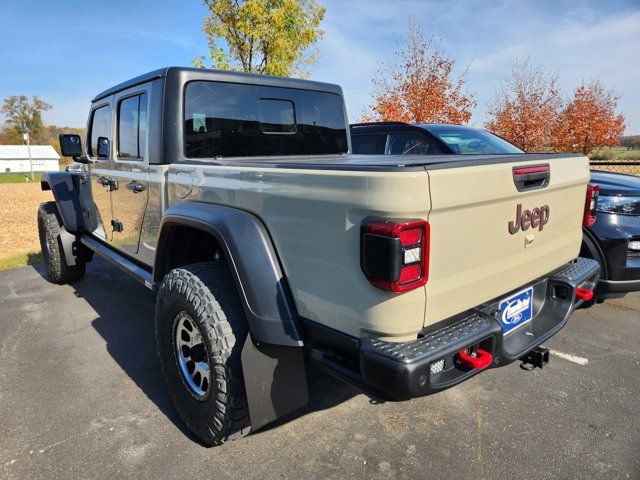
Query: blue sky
x,y
67,51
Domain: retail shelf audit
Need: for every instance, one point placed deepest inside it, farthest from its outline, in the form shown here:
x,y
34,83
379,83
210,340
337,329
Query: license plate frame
x,y
516,310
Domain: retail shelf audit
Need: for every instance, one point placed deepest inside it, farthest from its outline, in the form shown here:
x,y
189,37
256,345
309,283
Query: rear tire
x,y
203,297
55,262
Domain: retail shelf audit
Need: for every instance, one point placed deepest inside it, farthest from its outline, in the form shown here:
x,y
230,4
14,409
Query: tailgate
x,y
474,257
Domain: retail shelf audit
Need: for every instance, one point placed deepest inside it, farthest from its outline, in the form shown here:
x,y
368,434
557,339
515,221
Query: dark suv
x,y
613,240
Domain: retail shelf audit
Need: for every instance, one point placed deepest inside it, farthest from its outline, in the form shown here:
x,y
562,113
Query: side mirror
x,y
70,145
103,147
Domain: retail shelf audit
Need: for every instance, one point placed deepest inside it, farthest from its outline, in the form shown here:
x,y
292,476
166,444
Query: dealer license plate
x,y
516,310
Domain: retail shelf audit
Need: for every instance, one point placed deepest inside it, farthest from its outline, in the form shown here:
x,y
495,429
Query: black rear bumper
x,y
404,370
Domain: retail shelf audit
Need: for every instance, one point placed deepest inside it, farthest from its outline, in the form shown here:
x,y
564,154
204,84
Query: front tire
x,y
200,331
55,262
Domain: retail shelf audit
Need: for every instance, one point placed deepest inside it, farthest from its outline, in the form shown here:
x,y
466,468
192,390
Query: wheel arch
x,y
252,260
591,249
67,197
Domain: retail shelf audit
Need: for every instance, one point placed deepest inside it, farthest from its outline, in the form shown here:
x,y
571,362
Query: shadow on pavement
x,y
125,319
124,312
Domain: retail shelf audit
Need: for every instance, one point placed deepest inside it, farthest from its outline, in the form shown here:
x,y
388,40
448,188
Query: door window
x,y
100,127
368,144
413,143
132,127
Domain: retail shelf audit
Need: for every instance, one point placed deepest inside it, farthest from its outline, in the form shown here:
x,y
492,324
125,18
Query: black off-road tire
x,y
53,258
207,293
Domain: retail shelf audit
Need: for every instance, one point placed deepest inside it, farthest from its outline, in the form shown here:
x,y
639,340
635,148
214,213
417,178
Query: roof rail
x,y
366,124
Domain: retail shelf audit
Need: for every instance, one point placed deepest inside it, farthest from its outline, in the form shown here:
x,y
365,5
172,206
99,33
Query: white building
x,y
15,159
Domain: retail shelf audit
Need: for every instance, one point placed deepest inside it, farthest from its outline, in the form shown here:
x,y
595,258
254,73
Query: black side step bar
x,y
138,273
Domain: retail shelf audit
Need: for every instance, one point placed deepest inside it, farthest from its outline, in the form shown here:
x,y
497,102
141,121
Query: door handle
x,y
108,182
135,187
117,225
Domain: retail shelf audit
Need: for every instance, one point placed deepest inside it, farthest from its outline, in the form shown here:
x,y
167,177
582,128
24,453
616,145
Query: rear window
x,y
236,120
276,116
472,141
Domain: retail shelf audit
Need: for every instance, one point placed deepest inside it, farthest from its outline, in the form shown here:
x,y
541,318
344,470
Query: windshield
x,y
472,141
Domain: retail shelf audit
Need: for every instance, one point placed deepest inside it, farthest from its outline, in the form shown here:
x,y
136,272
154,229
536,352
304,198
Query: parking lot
x,y
81,396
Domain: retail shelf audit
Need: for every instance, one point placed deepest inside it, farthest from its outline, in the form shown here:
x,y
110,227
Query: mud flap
x,y
67,240
275,381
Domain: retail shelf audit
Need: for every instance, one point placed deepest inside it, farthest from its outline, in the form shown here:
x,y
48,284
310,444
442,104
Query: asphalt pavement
x,y
81,397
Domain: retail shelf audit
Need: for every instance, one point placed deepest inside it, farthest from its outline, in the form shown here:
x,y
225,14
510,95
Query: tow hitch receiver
x,y
538,357
478,360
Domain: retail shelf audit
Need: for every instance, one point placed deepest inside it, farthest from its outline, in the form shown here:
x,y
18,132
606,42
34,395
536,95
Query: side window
x,y
411,144
132,127
100,127
142,126
368,144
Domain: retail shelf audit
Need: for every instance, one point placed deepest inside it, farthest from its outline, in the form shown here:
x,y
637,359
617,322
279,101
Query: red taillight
x,y
412,236
590,205
394,255
411,273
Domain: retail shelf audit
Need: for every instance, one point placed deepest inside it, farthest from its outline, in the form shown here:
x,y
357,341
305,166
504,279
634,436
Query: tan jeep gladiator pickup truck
x,y
236,198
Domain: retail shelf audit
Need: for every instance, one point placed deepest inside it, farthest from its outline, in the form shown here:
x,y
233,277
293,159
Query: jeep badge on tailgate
x,y
536,218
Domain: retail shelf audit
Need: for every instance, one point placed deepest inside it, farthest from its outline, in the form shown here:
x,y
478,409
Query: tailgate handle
x,y
531,178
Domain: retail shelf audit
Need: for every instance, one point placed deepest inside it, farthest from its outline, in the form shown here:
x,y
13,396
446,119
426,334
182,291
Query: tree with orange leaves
x,y
421,86
525,109
589,121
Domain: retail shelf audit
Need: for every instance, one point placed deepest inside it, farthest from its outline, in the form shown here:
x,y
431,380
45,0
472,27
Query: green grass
x,y
20,260
18,177
619,154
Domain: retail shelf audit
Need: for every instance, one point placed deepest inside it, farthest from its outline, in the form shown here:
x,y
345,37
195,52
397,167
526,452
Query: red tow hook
x,y
481,360
584,294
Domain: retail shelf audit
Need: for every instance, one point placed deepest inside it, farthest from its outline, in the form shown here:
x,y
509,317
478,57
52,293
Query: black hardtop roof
x,y
222,76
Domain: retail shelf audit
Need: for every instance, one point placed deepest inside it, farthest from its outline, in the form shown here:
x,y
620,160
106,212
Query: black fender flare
x,y
253,261
66,193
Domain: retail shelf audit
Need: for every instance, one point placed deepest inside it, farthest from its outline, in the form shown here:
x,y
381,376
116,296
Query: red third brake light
x,y
394,255
528,170
590,205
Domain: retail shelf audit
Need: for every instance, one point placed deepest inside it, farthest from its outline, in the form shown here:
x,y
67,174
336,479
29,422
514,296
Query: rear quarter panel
x,y
314,219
